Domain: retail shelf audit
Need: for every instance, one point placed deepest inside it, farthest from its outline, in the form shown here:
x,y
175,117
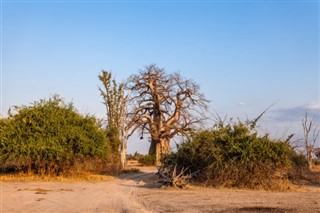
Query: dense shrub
x,y
232,155
147,160
50,137
298,160
112,134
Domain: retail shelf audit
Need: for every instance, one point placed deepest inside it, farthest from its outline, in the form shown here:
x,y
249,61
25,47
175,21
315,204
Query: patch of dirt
x,y
37,190
198,199
39,199
141,192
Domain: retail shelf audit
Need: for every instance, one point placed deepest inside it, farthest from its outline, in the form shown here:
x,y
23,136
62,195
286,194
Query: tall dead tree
x,y
311,133
116,106
163,105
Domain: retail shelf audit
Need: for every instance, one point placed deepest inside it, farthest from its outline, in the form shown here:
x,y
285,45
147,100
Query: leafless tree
x,y
116,105
311,133
164,105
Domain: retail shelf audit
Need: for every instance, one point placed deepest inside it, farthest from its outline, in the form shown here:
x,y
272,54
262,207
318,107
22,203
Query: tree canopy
x,y
164,105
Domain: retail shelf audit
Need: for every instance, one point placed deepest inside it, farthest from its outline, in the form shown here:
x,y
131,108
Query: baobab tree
x,y
163,105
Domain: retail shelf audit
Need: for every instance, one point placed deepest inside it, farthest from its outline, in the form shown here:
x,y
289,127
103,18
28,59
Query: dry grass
x,y
133,163
130,170
76,177
316,168
305,177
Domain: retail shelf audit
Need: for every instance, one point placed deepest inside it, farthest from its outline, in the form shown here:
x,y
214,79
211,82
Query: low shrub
x,y
298,160
50,137
112,134
148,160
317,162
232,155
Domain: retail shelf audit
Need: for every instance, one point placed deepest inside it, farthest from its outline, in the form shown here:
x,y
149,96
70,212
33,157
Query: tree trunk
x,y
123,156
309,159
162,149
123,149
153,145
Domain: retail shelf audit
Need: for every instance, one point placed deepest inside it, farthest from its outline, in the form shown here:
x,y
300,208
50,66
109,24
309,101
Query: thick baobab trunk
x,y
162,149
153,145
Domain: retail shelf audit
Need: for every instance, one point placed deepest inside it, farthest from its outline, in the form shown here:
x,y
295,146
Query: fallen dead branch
x,y
169,176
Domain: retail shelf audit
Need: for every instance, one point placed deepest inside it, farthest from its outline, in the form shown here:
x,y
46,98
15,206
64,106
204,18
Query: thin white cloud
x,y
296,113
242,103
315,106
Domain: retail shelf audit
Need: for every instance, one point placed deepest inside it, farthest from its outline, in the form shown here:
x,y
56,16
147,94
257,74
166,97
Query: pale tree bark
x,y
163,106
123,133
311,133
123,154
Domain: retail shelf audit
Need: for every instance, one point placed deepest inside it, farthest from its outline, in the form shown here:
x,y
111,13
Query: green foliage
x,y
147,160
114,99
116,106
298,160
317,162
113,135
232,155
49,137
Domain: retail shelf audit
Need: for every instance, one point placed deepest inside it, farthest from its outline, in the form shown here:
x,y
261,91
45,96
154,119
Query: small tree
x,y
164,105
116,106
311,133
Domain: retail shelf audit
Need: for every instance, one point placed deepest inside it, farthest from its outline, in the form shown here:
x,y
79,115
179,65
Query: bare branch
x,y
167,104
311,133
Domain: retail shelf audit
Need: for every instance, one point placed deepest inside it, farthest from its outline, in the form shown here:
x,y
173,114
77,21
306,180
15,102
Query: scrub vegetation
x,y
50,137
232,155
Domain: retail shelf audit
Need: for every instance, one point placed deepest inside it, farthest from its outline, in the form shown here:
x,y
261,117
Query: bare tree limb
x,y
165,105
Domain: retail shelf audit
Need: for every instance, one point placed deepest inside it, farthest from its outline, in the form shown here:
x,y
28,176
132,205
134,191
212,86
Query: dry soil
x,y
136,193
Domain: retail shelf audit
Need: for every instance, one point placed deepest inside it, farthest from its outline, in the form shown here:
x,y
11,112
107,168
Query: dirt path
x,y
111,196
129,193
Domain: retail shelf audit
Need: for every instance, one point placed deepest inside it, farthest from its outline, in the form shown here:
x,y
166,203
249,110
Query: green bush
x,y
50,137
112,134
232,155
298,160
147,160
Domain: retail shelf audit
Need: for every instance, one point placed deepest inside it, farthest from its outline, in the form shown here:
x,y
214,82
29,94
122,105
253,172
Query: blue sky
x,y
246,55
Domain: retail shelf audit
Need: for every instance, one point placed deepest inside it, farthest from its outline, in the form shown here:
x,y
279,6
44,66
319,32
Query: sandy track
x,y
111,196
129,193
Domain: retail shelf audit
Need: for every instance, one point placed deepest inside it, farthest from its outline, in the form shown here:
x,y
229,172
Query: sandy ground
x,y
134,193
